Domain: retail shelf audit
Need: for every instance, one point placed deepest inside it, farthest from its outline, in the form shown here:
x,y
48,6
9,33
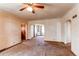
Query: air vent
x,y
74,16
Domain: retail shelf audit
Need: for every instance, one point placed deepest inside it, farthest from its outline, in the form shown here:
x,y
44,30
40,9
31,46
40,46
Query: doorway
x,y
37,32
23,32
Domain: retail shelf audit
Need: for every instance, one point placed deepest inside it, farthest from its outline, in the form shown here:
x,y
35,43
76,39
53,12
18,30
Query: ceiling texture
x,y
51,10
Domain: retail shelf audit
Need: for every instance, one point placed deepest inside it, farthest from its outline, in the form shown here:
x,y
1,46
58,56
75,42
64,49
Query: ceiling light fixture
x,y
29,9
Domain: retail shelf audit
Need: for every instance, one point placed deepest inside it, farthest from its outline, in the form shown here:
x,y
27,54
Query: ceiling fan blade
x,y
33,12
24,6
39,6
22,9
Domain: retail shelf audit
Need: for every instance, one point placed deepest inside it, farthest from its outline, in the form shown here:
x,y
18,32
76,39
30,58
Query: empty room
x,y
39,29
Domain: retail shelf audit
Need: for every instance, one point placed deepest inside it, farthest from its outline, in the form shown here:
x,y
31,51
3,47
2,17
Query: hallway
x,y
37,48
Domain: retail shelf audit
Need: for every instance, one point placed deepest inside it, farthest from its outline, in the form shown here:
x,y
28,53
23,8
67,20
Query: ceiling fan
x,y
31,7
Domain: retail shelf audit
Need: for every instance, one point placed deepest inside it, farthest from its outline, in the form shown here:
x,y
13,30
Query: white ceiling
x,y
51,10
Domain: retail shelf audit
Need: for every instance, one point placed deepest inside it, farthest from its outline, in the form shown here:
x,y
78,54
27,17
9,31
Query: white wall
x,y
52,29
66,31
10,30
74,28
